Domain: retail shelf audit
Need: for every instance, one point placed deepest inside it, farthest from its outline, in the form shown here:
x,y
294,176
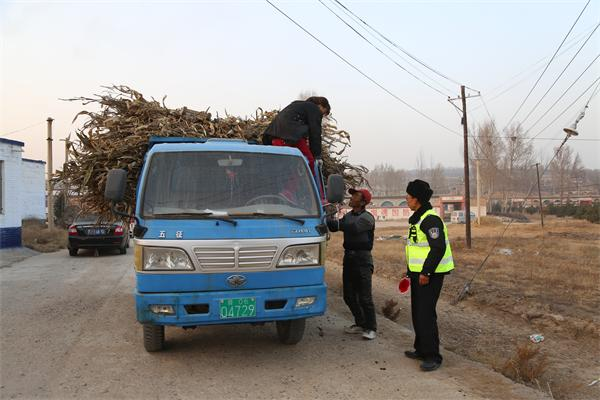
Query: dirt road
x,y
68,330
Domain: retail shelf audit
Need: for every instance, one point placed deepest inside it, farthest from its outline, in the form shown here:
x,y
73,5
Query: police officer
x,y
358,226
429,258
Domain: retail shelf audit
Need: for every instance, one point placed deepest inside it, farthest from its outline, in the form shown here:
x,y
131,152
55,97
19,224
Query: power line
x,y
576,39
398,46
22,129
561,74
532,138
547,65
385,54
388,46
379,50
363,73
567,108
564,93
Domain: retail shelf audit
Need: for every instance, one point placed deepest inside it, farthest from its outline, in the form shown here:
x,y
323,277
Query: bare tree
x,y
486,146
437,179
518,159
386,180
561,169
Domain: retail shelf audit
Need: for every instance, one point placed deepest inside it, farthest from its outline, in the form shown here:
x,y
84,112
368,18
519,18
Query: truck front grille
x,y
256,257
215,257
224,258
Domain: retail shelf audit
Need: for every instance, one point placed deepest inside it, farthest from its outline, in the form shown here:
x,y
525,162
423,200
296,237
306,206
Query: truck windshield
x,y
202,184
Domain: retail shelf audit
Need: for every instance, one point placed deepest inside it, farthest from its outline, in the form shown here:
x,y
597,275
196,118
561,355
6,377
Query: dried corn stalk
x,y
117,136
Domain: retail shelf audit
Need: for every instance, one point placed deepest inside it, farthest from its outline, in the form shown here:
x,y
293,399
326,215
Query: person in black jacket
x,y
428,261
358,226
298,123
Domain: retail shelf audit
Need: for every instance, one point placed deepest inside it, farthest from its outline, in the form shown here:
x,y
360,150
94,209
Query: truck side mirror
x,y
115,185
335,188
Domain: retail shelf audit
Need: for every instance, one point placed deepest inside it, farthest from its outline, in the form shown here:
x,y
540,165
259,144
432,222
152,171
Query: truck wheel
x,y
290,331
72,252
154,337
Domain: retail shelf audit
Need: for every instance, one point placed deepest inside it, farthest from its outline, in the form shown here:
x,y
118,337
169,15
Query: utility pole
x,y
465,125
466,161
65,183
50,172
537,169
478,210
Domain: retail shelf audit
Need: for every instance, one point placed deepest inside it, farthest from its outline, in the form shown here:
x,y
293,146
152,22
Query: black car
x,y
91,232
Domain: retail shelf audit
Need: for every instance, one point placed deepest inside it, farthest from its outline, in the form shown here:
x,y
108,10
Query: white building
x,y
22,191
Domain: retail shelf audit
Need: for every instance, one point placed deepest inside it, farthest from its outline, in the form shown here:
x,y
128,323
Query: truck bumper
x,y
202,308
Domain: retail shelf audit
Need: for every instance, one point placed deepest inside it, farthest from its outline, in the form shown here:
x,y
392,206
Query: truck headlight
x,y
166,259
300,256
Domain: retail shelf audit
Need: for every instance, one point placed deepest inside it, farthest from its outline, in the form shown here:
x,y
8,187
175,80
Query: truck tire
x,y
154,337
290,331
72,252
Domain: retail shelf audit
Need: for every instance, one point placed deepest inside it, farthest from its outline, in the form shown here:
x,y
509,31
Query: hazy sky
x,y
239,55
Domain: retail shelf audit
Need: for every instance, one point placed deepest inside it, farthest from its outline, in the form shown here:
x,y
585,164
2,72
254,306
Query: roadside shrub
x,y
526,365
590,213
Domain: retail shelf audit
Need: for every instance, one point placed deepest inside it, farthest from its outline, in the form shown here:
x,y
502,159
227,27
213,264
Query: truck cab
x,y
228,232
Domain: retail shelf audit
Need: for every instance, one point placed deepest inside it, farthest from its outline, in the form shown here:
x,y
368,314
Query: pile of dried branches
x,y
117,136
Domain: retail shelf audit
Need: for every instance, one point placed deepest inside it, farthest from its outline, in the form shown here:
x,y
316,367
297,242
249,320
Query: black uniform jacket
x,y
301,119
433,227
358,228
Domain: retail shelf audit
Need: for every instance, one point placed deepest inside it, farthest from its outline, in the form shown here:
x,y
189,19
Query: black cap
x,y
419,189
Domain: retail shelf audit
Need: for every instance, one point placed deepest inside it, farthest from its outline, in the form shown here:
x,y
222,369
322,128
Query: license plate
x,y
237,308
95,232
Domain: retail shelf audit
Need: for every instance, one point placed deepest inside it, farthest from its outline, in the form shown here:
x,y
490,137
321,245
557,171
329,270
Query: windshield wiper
x,y
262,214
202,214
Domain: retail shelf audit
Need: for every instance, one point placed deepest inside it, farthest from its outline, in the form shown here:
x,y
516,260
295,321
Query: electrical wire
x,y
575,40
22,129
563,93
561,74
381,51
389,47
547,65
398,46
567,108
363,73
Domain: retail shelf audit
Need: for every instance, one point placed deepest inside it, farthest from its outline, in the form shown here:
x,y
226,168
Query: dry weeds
x,y
527,364
36,235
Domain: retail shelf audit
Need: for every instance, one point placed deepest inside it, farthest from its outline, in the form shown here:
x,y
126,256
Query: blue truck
x,y
227,232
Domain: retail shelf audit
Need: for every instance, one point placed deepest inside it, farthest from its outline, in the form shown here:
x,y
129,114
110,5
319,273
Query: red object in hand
x,y
404,285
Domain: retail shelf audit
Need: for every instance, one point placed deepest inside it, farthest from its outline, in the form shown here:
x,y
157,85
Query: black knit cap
x,y
419,189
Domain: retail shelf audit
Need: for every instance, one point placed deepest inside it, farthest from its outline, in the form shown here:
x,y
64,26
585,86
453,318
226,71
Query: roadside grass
x,y
36,235
526,365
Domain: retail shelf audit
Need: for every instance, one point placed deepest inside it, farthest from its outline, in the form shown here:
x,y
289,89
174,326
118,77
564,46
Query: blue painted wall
x,y
10,237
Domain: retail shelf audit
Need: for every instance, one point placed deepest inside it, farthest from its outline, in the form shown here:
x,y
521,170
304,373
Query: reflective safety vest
x,y
417,248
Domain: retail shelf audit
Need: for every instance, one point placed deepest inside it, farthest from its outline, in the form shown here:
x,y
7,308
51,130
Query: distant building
x,y
22,191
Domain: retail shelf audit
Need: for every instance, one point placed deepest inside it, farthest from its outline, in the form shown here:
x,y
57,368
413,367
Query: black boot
x,y
413,355
430,365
